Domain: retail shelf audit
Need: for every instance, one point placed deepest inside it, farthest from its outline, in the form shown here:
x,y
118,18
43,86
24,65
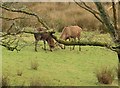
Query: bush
x,y
19,72
34,64
105,76
5,81
36,82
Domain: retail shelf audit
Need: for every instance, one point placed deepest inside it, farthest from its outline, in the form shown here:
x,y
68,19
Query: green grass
x,y
60,67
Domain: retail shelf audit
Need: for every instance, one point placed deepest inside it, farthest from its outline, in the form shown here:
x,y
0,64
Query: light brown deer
x,y
45,36
71,32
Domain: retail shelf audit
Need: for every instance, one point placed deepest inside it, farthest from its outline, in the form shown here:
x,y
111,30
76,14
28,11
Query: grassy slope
x,y
61,67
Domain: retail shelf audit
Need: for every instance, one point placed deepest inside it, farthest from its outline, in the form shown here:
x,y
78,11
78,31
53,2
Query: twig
x,y
28,13
8,19
92,10
87,8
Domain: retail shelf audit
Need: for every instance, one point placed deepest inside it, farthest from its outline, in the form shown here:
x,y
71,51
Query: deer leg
x,y
49,43
74,45
50,49
70,46
64,47
44,44
36,45
79,45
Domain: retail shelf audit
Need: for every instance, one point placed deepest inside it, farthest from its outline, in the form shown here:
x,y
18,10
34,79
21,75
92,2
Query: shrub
x,y
36,82
34,64
5,81
19,72
105,76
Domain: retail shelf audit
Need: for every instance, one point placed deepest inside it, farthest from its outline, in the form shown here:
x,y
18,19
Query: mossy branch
x,y
83,43
67,43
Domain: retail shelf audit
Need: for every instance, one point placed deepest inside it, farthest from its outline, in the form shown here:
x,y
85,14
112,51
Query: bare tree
x,y
104,18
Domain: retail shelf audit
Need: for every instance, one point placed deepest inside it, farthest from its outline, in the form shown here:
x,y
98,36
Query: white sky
x,y
56,0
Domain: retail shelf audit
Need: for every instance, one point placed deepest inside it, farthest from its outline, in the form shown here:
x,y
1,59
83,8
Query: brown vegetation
x,y
5,81
105,76
19,72
34,64
37,83
56,15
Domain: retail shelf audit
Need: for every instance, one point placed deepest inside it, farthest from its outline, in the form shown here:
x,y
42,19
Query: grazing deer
x,y
45,36
71,32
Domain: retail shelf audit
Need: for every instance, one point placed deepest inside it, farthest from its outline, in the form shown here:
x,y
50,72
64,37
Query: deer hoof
x,y
43,48
35,50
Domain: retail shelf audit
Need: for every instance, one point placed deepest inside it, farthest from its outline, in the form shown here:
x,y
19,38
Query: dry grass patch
x,y
5,81
37,82
19,72
105,75
34,64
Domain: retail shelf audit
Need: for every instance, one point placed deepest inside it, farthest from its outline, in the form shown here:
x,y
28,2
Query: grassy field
x,y
60,67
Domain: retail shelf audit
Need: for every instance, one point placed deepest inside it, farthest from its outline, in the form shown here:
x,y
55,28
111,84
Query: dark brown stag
x,y
45,36
71,32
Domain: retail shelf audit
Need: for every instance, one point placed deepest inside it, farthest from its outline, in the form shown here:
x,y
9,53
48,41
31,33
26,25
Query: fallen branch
x,y
68,43
11,48
85,43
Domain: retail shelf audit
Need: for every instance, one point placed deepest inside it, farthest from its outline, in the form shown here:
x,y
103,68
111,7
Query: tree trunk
x,y
113,32
118,53
118,31
106,19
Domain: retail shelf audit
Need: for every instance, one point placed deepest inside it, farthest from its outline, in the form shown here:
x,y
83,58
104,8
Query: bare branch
x,y
8,31
28,13
114,14
6,34
29,32
11,48
87,8
106,20
9,19
90,8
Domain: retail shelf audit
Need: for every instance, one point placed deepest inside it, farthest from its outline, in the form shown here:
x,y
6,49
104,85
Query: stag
x,y
71,32
45,36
